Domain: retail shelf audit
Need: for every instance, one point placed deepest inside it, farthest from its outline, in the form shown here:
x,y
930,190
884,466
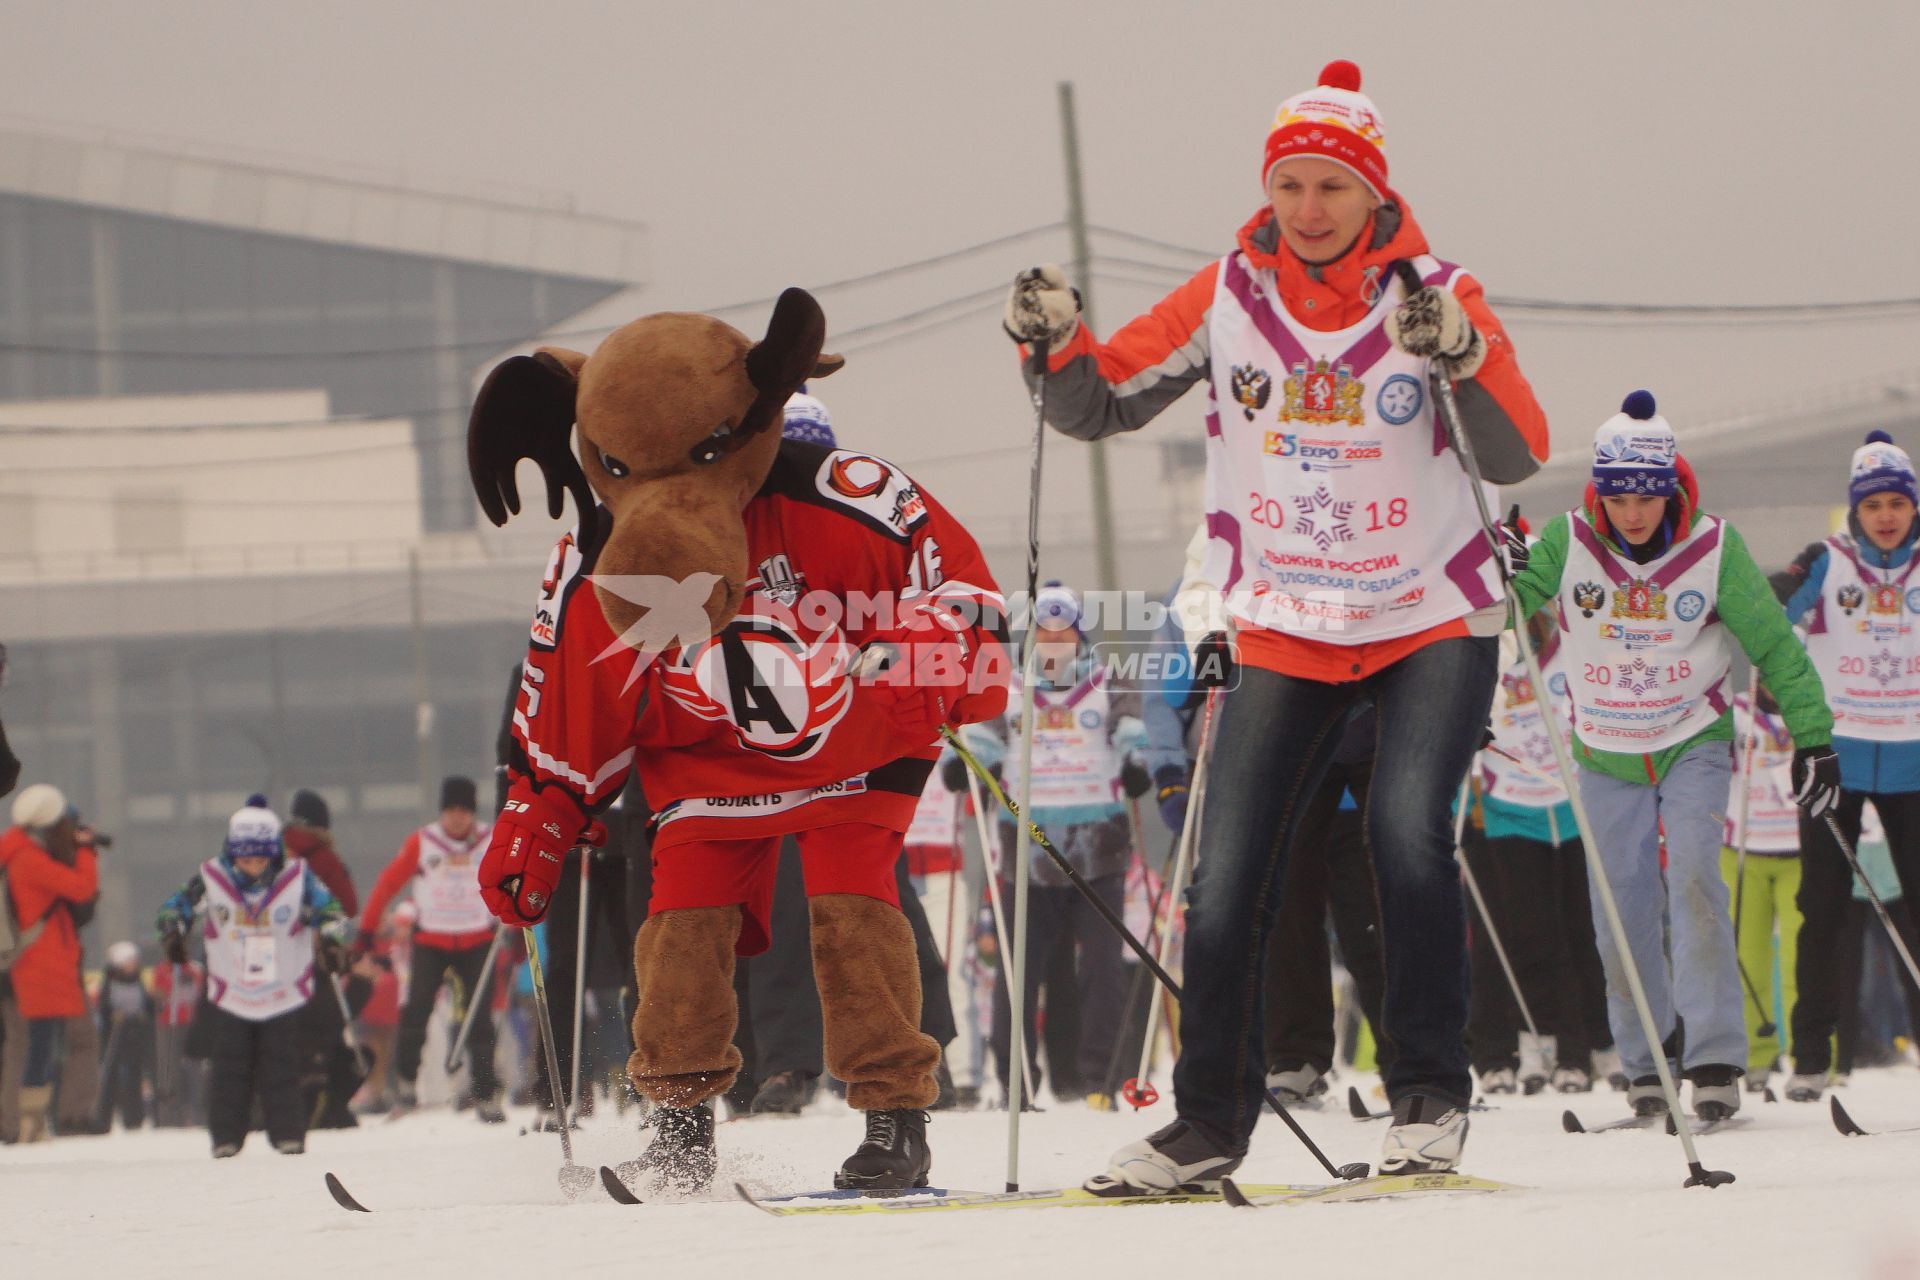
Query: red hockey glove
x,y
525,853
922,666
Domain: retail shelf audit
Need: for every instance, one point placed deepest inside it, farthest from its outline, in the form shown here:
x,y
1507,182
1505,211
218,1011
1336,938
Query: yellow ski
x,y
933,1200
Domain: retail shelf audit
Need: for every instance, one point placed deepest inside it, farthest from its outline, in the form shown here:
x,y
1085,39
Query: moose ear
x,y
525,410
828,363
781,361
785,358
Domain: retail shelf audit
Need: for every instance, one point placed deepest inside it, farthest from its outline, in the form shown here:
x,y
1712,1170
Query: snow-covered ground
x,y
454,1198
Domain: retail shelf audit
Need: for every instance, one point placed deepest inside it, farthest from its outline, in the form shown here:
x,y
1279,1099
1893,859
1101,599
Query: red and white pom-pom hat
x,y
1334,121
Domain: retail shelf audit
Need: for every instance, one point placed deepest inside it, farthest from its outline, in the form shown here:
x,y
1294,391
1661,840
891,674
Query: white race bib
x,y
1646,655
1863,640
1330,510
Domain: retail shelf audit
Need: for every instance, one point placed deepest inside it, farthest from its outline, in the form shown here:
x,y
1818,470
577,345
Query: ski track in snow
x,y
451,1197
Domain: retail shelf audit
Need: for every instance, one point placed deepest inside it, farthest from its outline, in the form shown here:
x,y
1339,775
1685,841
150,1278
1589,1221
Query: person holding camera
x,y
48,863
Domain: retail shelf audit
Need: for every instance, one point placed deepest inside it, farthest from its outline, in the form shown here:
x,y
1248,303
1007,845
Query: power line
x,y
1149,242
883,332
517,339
175,428
880,332
897,329
1730,312
252,459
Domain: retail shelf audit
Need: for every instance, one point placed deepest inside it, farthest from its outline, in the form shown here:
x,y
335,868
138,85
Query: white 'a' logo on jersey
x,y
781,694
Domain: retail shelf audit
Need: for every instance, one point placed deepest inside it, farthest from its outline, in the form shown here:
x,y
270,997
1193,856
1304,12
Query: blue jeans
x,y
1687,909
1274,741
43,1051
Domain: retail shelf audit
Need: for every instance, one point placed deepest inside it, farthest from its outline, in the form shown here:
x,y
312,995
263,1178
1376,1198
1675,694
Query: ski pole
x,y
1873,896
1766,1027
1017,988
1697,1173
1030,829
476,1000
1356,1170
1142,1091
362,1057
990,858
580,979
1017,962
1480,902
953,889
575,1179
1131,1089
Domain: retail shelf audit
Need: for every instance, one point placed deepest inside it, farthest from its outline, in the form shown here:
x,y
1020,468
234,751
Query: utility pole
x,y
1106,574
424,762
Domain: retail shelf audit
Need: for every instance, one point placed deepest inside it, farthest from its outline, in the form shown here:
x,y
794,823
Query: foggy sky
x,y
1660,152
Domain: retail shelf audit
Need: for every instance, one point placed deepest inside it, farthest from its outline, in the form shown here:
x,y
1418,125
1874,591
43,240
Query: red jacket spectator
x,y
46,976
315,844
309,835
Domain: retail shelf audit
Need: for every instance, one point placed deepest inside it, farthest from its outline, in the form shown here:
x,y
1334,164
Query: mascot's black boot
x,y
893,1156
680,1159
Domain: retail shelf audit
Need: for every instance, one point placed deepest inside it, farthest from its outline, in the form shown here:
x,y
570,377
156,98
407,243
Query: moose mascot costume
x,y
772,634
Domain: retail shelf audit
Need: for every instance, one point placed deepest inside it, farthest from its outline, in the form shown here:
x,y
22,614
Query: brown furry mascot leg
x,y
684,1017
869,978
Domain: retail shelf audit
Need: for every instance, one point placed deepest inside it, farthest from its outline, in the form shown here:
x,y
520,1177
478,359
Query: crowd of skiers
x,y
1566,806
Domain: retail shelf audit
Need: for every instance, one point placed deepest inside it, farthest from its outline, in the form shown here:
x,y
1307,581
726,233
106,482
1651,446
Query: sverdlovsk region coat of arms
x,y
1324,394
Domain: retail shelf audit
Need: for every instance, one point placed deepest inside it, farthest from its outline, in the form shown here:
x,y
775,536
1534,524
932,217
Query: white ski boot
x,y
1571,1080
1166,1160
1806,1086
1426,1136
1298,1086
1646,1097
1716,1090
1606,1066
1535,1053
1499,1080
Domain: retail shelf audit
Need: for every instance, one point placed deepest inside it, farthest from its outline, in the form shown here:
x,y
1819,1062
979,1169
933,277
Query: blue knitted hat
x,y
807,421
253,832
1880,466
1633,452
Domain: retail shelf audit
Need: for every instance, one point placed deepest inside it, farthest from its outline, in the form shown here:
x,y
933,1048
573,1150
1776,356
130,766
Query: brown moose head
x,y
677,419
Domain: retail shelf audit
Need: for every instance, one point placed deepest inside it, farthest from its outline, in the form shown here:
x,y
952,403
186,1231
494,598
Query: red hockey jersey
x,y
764,729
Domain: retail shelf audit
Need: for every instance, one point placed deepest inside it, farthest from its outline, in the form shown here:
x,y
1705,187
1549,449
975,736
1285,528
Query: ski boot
x,y
1806,1086
1180,1155
1535,1053
1646,1098
290,1147
1571,1080
785,1093
1426,1136
226,1151
680,1159
1716,1095
892,1156
1301,1085
1606,1066
405,1098
1499,1080
487,1109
